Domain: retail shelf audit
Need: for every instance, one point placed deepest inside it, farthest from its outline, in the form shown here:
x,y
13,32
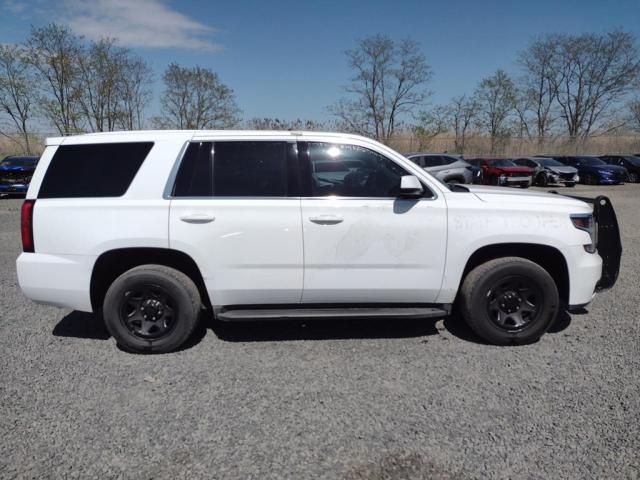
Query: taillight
x,y
26,226
586,222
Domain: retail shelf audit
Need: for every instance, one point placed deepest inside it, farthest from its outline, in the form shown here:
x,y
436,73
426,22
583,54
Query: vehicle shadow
x,y
81,325
90,326
457,327
322,329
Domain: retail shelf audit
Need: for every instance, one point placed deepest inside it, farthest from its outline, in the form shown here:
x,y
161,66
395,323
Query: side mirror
x,y
410,186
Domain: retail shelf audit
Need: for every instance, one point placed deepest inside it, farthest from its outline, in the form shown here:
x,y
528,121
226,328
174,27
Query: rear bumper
x,y
60,280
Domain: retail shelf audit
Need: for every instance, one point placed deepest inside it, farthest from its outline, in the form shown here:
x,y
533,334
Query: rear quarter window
x,y
95,170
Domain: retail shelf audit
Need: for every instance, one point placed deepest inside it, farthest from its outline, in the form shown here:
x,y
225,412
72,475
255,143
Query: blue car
x,y
593,170
15,174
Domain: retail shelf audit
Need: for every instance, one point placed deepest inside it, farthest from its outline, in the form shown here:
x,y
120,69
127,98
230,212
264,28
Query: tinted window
x,y
449,160
433,161
245,169
194,177
96,170
26,162
352,171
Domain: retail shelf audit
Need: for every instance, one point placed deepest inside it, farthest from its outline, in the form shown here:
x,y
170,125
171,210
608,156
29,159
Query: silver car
x,y
550,171
445,167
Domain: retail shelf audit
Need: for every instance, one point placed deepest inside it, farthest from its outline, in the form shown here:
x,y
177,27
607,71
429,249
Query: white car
x,y
150,228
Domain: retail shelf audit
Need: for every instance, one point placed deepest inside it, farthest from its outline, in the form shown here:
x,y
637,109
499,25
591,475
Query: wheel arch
x,y
548,257
113,263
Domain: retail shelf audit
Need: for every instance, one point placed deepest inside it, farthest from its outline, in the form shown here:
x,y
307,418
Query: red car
x,y
503,172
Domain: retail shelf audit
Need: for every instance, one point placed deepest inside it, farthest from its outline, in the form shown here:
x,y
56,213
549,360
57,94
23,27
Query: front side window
x,y
352,171
433,161
235,169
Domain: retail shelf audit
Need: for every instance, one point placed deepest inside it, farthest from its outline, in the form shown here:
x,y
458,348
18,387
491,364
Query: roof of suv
x,y
154,134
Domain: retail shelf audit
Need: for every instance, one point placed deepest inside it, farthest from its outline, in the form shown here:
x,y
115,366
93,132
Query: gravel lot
x,y
330,399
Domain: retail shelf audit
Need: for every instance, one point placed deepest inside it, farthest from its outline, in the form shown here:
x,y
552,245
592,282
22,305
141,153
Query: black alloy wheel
x,y
514,302
148,311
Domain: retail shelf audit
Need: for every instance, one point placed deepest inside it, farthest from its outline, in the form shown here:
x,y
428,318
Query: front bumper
x,y
609,245
514,180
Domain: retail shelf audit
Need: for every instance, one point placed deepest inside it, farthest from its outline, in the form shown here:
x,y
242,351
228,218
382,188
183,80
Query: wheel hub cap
x,y
151,309
509,302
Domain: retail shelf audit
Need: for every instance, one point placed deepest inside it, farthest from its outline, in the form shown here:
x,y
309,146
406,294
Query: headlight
x,y
585,222
576,178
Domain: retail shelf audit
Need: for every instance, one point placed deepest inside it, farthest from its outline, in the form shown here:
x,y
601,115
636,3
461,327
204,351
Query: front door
x,y
362,242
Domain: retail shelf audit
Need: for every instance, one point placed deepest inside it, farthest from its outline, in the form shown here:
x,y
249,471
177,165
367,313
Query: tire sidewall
x,y
180,295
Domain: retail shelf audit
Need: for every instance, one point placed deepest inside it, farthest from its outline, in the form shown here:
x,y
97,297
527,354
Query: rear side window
x,y
238,169
96,170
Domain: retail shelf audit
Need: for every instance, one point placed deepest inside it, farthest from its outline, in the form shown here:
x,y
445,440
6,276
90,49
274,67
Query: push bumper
x,y
609,245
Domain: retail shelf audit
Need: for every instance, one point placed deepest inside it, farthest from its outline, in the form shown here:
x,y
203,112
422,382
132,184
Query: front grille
x,y
15,177
567,176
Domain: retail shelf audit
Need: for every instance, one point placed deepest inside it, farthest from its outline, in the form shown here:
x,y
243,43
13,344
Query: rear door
x,y
362,243
236,211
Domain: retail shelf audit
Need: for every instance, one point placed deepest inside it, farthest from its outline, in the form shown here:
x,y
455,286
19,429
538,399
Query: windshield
x,y
502,162
590,161
19,162
550,162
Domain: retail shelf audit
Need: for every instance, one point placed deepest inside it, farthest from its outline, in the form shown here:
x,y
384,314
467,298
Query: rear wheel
x,y
509,300
151,309
633,177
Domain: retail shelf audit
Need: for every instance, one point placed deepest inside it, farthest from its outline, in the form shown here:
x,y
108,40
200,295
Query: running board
x,y
311,313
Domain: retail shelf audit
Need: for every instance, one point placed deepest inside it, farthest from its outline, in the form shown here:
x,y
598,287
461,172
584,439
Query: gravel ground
x,y
330,399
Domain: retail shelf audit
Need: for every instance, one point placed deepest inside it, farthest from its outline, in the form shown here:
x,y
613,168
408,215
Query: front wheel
x,y
570,184
590,179
633,177
509,300
151,309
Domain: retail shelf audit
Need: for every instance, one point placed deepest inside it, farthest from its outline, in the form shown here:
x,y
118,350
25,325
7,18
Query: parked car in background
x,y
503,172
16,172
445,167
630,162
549,171
593,170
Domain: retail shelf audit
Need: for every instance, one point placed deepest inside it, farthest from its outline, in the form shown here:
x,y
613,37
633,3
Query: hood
x,y
525,170
567,169
604,168
531,197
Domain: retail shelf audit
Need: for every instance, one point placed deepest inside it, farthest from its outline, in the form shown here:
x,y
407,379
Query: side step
x,y
354,312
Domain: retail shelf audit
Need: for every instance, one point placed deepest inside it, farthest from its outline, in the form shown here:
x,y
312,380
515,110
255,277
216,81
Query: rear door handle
x,y
326,219
197,218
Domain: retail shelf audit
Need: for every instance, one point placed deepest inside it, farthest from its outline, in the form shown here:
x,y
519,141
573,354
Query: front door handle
x,y
197,218
326,219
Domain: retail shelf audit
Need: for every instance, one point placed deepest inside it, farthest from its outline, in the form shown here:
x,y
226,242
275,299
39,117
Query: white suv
x,y
151,228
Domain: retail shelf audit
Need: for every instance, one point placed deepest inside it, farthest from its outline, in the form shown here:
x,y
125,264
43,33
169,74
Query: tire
x,y
570,184
491,291
542,180
633,177
166,295
590,179
524,185
493,180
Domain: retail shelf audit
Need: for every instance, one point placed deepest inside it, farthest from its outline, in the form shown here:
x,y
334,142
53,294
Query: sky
x,y
285,59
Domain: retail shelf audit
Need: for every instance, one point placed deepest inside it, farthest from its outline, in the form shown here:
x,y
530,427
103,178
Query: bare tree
x,y
17,89
101,68
634,114
495,96
538,88
54,51
134,92
278,124
387,85
463,111
431,123
592,74
195,98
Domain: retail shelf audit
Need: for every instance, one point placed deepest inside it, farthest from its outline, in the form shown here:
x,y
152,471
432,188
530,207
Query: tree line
x,y
576,86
